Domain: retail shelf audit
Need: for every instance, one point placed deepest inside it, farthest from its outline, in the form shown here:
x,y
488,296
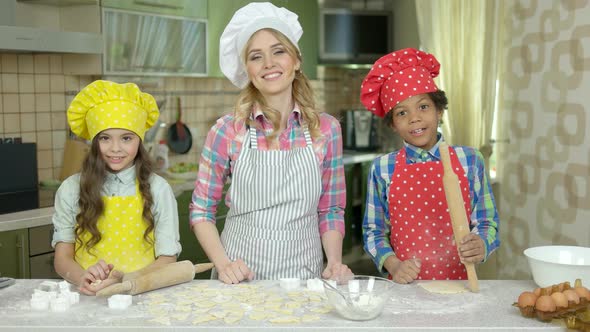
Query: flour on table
x,y
444,286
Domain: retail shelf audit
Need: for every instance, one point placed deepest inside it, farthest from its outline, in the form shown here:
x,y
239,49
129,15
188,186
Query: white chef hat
x,y
245,22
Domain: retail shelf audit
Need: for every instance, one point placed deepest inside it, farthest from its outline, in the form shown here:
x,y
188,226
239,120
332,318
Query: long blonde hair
x,y
302,94
92,178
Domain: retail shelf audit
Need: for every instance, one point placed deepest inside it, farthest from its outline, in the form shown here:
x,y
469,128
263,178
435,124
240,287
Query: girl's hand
x,y
403,272
234,271
336,271
92,279
471,249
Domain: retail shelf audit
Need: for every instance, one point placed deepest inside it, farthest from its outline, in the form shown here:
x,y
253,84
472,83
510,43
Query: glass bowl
x,y
361,297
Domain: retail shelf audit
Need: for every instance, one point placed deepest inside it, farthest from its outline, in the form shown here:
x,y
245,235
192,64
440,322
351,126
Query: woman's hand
x,y
234,271
336,271
97,277
403,272
471,249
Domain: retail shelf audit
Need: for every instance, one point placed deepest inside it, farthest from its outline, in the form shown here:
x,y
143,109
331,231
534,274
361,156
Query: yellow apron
x,y
122,227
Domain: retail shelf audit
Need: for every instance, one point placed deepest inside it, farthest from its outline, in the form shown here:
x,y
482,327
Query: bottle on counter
x,y
161,156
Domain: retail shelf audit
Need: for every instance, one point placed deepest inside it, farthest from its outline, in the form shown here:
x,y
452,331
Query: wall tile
x,y
58,102
10,103
27,122
44,140
41,63
42,102
45,174
57,159
1,103
26,64
55,66
9,83
72,83
58,120
43,121
56,83
1,124
58,139
9,63
26,83
29,137
27,103
41,83
11,123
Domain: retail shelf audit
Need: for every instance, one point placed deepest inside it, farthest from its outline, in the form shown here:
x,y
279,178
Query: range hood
x,y
20,29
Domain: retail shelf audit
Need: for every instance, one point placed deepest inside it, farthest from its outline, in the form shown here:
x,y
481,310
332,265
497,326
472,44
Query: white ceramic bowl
x,y
368,296
552,265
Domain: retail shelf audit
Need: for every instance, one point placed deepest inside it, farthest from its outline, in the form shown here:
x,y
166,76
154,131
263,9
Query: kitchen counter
x,y
179,307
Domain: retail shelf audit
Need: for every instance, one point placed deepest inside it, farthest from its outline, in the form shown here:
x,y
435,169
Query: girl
x,y
407,228
286,198
115,213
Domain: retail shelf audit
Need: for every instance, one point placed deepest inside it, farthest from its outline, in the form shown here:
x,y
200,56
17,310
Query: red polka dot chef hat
x,y
396,77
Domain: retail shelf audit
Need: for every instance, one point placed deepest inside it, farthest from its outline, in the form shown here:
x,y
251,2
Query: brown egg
x,y
545,303
560,300
537,291
572,296
527,299
582,292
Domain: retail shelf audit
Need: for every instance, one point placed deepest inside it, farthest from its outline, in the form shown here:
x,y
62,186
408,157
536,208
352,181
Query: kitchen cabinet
x,y
307,10
14,250
41,253
191,249
186,8
145,44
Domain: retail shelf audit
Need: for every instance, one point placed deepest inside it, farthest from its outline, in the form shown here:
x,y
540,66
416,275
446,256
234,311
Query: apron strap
x,y
253,139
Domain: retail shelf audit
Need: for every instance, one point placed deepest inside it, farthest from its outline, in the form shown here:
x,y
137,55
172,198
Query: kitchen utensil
x,y
365,296
327,284
151,134
456,209
155,278
179,136
555,264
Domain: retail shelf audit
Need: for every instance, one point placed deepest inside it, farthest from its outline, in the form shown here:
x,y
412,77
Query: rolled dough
x,y
444,286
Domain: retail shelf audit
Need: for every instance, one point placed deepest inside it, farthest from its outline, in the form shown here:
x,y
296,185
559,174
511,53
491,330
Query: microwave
x,y
359,130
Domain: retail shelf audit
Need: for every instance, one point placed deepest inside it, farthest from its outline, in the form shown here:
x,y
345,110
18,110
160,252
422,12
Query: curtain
x,y
466,36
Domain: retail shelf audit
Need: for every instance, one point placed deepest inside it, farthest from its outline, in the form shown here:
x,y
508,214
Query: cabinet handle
x,y
155,4
21,251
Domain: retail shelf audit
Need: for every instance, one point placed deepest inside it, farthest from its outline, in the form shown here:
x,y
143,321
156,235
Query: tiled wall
x,y
35,93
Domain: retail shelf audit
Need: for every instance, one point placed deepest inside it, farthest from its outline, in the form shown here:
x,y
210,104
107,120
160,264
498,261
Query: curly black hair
x,y
439,98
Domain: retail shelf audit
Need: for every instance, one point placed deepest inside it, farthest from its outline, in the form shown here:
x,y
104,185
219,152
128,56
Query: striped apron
x,y
273,221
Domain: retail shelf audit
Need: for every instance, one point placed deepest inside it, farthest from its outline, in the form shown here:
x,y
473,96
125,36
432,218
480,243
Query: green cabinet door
x,y
14,250
186,8
191,249
220,13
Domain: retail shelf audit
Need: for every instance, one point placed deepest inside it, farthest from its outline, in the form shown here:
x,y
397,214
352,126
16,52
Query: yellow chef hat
x,y
103,105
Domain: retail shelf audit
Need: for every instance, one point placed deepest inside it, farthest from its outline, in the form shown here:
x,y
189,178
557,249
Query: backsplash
x,y
35,93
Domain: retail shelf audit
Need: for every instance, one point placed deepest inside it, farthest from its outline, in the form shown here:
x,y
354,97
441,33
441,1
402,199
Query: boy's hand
x,y
403,272
471,249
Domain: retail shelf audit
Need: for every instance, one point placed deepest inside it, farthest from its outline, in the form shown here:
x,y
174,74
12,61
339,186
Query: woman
x,y
284,160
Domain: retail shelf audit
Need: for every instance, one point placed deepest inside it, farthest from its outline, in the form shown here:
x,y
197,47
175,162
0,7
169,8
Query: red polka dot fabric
x,y
396,77
420,221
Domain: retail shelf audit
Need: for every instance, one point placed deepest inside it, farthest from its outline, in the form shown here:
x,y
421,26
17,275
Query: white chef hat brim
x,y
245,22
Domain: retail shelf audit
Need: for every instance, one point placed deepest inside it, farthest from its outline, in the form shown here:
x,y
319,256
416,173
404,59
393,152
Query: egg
x,y
537,291
582,292
560,300
527,299
545,303
572,296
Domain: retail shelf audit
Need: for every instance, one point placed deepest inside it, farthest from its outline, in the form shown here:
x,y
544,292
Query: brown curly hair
x,y
92,178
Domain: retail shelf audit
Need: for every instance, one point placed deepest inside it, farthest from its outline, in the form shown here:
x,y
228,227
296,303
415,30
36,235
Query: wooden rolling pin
x,y
457,210
155,278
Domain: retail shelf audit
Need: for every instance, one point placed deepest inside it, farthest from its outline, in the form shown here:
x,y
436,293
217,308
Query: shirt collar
x,y
259,116
416,154
125,177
